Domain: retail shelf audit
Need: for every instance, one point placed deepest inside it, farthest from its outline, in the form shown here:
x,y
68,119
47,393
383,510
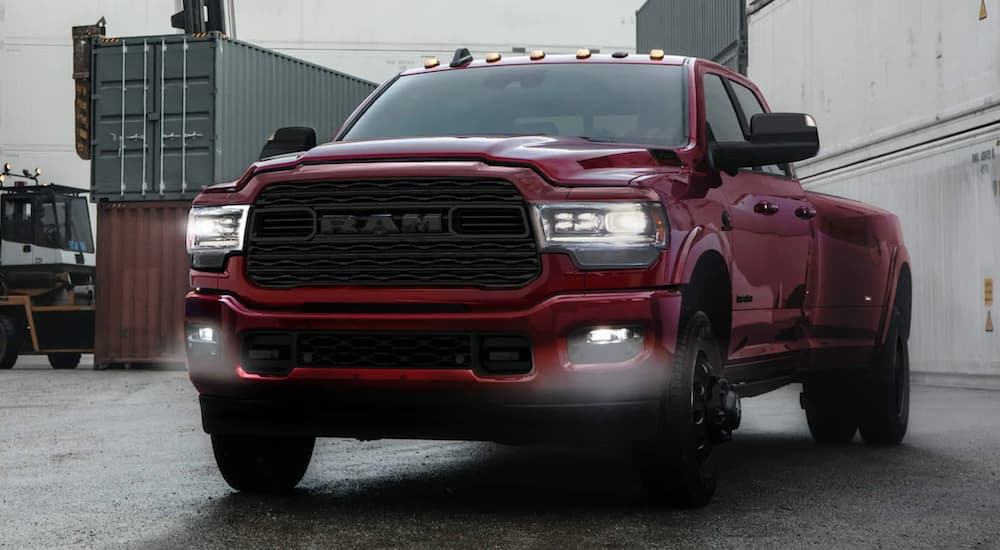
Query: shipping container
x,y
710,29
879,76
907,97
173,114
142,277
947,195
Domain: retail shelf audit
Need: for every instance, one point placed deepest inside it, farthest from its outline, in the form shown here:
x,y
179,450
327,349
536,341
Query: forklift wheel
x,y
10,343
64,360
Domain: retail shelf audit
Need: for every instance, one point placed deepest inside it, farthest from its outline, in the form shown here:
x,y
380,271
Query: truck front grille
x,y
385,351
438,233
278,353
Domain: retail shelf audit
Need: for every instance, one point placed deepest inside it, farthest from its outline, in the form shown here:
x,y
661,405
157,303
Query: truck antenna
x,y
462,58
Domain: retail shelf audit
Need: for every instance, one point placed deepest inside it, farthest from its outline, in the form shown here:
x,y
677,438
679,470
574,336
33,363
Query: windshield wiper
x,y
598,140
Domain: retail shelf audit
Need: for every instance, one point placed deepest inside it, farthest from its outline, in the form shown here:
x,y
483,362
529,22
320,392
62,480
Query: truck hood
x,y
572,161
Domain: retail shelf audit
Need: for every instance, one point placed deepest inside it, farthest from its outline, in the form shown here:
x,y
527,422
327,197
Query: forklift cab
x,y
47,271
46,228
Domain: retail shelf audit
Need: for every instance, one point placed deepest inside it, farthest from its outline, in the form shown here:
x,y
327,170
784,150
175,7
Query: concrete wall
x,y
375,39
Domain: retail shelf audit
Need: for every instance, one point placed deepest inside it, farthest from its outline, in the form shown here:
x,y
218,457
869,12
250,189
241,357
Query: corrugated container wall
x,y
142,274
173,114
907,97
711,29
878,76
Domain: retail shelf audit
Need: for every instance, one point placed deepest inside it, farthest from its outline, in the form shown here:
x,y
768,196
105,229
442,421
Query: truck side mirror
x,y
775,138
284,141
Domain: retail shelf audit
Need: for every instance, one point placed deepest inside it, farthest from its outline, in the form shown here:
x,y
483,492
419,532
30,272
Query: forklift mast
x,y
200,16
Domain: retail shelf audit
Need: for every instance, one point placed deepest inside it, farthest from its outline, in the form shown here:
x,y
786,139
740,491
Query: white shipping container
x,y
878,76
907,97
947,195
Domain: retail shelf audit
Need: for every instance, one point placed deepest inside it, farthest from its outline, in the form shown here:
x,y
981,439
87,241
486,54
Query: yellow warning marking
x,y
989,321
988,292
982,11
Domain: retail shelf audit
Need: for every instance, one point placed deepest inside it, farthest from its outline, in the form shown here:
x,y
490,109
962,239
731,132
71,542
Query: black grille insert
x,y
472,233
277,353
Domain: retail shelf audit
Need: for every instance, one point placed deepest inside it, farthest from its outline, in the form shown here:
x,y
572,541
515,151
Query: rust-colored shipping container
x,y
142,277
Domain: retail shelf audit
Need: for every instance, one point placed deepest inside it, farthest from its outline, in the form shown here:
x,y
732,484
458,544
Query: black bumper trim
x,y
507,423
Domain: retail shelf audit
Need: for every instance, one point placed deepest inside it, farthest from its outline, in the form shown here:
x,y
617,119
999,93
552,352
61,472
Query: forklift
x,y
47,271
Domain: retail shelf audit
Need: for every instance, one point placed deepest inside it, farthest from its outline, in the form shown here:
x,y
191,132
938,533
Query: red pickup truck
x,y
588,248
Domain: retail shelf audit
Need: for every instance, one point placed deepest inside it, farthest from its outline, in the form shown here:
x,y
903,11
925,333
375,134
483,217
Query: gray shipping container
x,y
710,29
173,114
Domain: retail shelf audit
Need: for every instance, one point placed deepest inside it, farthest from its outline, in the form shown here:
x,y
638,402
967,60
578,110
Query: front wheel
x,y
675,467
10,343
262,464
64,361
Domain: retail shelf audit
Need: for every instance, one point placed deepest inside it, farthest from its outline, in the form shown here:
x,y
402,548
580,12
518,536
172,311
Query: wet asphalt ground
x,y
117,459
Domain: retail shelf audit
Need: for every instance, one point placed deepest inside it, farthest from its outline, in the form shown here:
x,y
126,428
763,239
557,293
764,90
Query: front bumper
x,y
555,400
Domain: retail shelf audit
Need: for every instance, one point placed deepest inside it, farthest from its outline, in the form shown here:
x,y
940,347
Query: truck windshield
x,y
55,221
627,103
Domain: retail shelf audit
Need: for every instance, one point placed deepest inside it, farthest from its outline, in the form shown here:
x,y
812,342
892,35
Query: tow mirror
x,y
289,140
775,138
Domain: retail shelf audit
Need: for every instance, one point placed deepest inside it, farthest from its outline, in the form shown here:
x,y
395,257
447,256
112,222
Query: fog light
x,y
202,341
605,345
607,336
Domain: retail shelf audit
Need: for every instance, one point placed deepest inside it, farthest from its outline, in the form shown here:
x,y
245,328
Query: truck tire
x,y
885,403
675,467
830,410
10,343
262,464
64,361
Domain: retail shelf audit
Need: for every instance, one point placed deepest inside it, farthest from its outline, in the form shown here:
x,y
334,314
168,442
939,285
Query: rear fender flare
x,y
900,262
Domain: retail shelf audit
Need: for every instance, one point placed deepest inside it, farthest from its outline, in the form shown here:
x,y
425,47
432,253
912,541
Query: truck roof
x,y
631,58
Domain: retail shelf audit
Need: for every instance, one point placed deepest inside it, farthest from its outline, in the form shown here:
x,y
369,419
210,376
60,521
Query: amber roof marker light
x,y
657,55
493,57
431,62
583,53
537,55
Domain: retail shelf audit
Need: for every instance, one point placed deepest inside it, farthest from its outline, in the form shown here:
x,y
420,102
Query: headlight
x,y
213,232
608,235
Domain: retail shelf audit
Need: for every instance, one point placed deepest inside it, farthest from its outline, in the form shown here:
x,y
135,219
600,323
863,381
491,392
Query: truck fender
x,y
698,241
900,262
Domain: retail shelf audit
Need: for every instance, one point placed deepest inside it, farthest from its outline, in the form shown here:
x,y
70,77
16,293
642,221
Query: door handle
x,y
805,212
766,208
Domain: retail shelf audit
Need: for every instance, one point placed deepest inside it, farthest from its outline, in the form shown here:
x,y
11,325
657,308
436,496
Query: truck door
x,y
770,241
794,235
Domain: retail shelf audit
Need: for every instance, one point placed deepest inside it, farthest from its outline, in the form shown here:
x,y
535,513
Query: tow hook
x,y
724,410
